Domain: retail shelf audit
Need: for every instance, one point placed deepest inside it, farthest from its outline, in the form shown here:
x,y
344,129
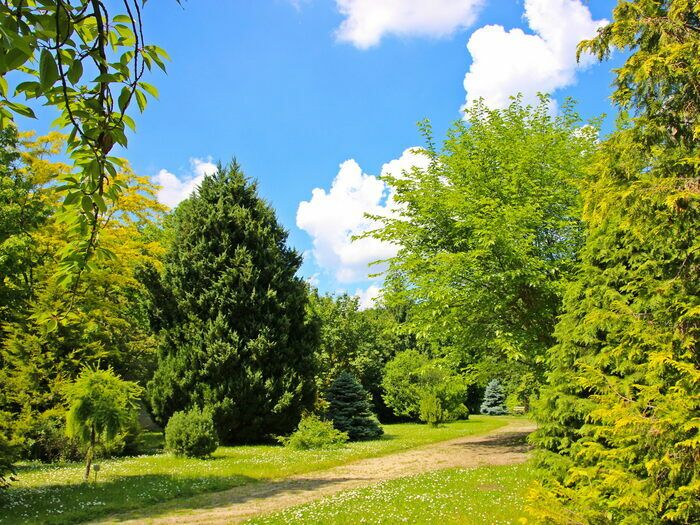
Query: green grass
x,y
55,493
480,496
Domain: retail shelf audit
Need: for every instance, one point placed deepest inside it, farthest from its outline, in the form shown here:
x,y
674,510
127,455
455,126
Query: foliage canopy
x,y
232,315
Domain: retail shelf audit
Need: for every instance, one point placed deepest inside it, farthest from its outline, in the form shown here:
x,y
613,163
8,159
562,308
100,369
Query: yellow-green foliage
x,y
619,436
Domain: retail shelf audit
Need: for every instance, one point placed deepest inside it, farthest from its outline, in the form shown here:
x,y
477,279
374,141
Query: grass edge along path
x,y
489,495
55,494
504,446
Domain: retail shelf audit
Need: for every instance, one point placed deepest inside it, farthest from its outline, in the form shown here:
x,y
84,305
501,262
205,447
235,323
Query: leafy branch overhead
x,y
78,58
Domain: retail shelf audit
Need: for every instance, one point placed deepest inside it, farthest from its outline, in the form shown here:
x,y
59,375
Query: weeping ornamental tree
x,y
101,405
619,426
232,315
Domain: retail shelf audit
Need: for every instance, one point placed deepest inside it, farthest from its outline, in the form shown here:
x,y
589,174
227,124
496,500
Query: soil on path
x,y
503,446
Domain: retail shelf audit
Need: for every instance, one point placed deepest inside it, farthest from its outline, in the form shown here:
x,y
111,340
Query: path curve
x,y
503,446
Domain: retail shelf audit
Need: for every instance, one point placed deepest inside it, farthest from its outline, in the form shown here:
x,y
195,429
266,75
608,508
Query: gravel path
x,y
503,446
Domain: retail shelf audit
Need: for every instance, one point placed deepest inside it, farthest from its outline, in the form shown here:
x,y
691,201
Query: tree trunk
x,y
88,456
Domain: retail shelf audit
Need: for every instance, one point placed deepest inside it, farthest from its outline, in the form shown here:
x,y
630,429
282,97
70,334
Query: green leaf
x,y
86,204
75,72
20,109
150,89
30,89
141,100
15,58
48,72
124,97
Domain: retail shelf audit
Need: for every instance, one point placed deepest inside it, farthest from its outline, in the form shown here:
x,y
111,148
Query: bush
x,y
431,411
8,455
350,409
313,433
494,399
191,433
45,439
461,413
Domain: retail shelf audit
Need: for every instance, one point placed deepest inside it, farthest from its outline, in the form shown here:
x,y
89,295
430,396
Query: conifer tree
x,y
232,313
350,409
619,428
494,399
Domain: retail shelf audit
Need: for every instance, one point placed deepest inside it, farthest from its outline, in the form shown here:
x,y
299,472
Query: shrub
x,y
494,399
45,439
350,410
8,454
431,411
313,433
191,433
460,413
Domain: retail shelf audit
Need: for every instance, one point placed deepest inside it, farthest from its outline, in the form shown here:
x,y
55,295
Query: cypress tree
x,y
232,312
619,425
494,399
350,409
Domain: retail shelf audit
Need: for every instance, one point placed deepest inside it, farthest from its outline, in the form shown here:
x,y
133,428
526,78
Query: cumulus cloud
x,y
367,21
174,189
368,296
332,218
505,63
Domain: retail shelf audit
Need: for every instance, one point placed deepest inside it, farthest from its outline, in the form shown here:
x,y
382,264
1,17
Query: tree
x,y
490,231
100,406
108,322
418,387
235,332
56,44
350,410
494,399
619,437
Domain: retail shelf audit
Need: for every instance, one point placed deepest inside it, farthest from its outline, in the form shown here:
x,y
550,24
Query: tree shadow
x,y
515,441
80,502
256,491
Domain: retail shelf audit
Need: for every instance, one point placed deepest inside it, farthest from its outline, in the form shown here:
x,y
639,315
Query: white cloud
x,y
174,189
505,63
367,21
368,296
332,218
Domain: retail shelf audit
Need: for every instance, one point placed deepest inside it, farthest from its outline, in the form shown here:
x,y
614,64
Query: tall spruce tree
x,y
619,425
232,312
350,409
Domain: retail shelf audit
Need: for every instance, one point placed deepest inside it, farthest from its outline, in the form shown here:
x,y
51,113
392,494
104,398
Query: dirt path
x,y
503,446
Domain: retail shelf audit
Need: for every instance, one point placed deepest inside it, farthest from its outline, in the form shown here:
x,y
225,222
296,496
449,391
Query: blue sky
x,y
294,89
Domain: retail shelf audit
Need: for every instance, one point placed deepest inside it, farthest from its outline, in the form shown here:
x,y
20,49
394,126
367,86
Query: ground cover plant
x,y
483,496
54,493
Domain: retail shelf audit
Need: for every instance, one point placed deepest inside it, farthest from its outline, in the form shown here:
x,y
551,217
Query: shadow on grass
x,y
255,492
514,441
80,502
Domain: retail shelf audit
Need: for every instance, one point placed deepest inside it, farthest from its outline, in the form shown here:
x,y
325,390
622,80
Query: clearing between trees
x,y
503,446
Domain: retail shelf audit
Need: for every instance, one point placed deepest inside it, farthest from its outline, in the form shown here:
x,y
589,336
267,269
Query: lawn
x,y
55,493
480,496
